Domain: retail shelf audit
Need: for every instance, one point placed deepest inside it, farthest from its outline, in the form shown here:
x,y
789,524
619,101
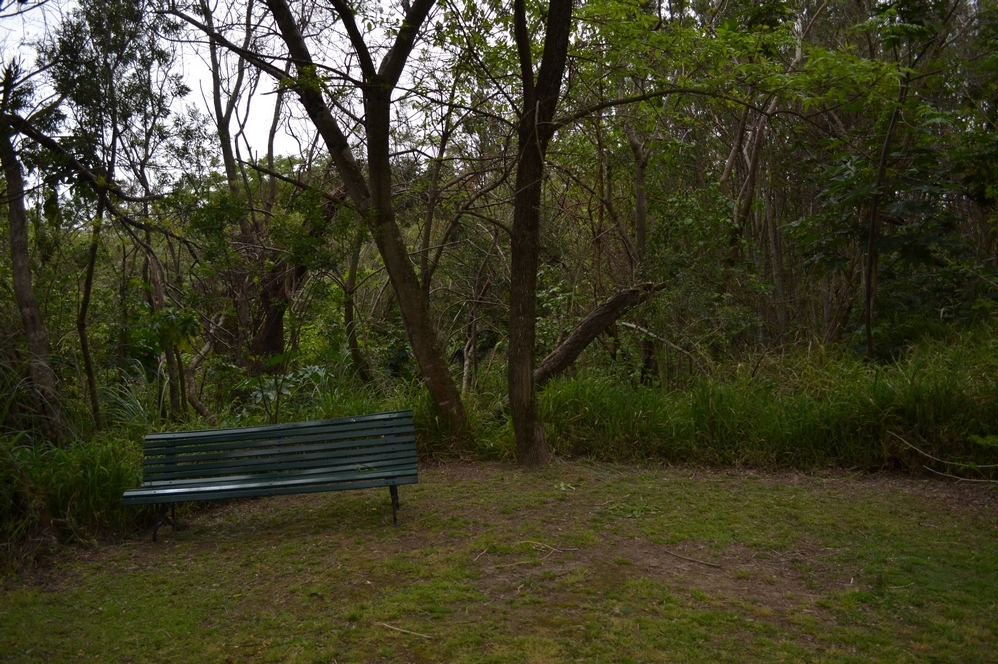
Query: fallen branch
x,y
541,544
551,552
590,327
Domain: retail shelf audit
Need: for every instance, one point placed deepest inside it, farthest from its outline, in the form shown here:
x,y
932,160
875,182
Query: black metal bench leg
x,y
162,518
394,490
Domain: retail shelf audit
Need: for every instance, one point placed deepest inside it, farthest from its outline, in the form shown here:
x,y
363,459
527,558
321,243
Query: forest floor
x,y
577,562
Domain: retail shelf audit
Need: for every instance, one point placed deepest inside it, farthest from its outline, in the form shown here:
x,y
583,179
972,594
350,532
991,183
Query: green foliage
x,y
73,493
806,411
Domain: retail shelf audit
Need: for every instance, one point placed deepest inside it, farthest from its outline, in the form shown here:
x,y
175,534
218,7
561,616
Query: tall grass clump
x,y
821,408
65,494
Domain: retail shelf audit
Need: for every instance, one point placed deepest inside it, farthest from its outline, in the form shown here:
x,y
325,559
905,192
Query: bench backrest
x,y
377,443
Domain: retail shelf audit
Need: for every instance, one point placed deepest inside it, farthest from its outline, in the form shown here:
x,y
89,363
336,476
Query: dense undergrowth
x,y
819,408
934,409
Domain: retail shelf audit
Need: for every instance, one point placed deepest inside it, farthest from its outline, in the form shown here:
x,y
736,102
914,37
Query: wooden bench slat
x,y
317,460
278,445
275,440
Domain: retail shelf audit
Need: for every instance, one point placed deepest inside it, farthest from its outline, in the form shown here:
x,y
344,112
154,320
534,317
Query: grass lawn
x,y
578,562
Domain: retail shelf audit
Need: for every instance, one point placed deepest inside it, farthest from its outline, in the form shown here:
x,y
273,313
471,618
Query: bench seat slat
x,y
259,465
271,490
301,477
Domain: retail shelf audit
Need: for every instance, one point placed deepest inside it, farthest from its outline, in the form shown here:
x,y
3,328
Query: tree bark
x,y
191,382
589,328
534,132
39,362
870,265
350,315
268,342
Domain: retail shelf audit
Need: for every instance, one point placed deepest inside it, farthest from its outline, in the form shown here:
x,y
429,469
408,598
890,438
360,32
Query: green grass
x,y
578,562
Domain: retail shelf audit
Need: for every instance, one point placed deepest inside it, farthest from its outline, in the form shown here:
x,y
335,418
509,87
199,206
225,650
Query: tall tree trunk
x,y
649,356
772,232
81,318
641,155
870,265
39,362
534,132
158,305
350,314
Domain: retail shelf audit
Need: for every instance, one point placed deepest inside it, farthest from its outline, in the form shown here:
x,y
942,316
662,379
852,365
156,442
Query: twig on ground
x,y
551,552
405,631
527,562
546,546
958,478
480,555
521,562
692,560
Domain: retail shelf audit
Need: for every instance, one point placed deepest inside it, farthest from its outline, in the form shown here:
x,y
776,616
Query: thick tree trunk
x,y
268,343
387,236
531,443
540,100
40,365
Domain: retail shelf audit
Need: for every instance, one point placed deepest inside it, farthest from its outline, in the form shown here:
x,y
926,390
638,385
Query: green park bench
x,y
300,457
